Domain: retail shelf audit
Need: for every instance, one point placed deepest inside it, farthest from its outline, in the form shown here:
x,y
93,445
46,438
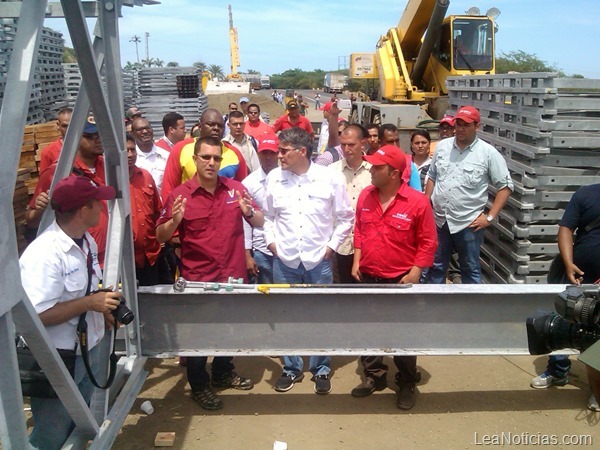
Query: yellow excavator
x,y
234,50
413,60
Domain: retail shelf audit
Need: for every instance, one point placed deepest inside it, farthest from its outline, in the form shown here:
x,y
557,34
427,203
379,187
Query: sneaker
x,y
546,380
592,404
322,384
367,387
406,396
286,381
233,381
207,399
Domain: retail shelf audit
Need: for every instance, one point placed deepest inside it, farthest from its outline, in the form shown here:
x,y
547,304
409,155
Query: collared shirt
x,y
96,174
154,162
257,130
54,270
164,143
283,123
394,240
254,238
248,148
181,167
306,214
145,210
50,154
461,181
323,137
356,181
211,232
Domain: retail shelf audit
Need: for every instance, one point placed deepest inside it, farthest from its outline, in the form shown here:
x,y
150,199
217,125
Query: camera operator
x,y
55,269
582,265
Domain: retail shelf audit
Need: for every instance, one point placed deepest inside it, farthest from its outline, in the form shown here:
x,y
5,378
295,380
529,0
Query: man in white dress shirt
x,y
307,217
149,156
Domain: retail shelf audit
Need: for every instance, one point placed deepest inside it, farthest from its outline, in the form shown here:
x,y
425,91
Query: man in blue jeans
x,y
462,169
307,217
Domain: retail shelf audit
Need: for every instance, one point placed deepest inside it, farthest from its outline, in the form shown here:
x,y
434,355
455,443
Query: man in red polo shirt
x,y
208,211
254,126
51,152
394,240
293,119
89,162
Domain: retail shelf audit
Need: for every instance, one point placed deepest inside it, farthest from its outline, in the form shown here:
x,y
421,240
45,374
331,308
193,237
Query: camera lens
x,y
123,314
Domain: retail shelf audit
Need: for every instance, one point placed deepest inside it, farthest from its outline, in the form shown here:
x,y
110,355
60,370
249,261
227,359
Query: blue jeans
x,y
52,422
264,263
321,274
559,365
467,244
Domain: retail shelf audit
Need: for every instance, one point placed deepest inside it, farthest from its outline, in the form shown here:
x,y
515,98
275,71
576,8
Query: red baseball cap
x,y
268,141
73,192
447,120
326,106
468,114
388,154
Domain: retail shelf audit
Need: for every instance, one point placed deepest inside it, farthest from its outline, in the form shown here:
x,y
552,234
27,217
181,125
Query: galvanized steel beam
x,y
421,320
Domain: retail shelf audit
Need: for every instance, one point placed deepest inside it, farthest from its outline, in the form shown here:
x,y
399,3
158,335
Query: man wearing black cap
x,y
293,119
55,269
394,240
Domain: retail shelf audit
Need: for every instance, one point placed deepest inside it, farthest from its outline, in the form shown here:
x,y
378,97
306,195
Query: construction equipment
x,y
234,50
413,60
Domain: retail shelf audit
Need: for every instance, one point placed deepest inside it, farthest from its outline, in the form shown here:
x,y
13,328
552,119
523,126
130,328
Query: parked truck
x,y
413,60
334,83
265,82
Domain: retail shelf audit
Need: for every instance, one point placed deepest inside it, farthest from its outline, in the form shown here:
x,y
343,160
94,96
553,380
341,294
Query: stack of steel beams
x,y
547,129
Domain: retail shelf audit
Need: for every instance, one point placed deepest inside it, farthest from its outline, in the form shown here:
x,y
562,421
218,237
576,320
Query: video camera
x,y
577,324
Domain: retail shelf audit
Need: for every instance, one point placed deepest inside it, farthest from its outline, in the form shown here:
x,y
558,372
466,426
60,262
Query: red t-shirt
x,y
394,241
50,154
257,130
98,232
283,123
211,232
145,211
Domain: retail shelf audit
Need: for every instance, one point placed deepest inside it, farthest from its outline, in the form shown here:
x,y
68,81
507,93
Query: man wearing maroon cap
x,y
208,211
259,258
446,127
394,240
58,271
293,119
461,170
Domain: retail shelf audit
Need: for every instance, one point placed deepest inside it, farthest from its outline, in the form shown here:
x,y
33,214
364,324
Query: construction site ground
x,y
461,400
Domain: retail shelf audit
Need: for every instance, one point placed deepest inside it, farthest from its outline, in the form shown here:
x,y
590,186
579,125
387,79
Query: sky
x,y
318,34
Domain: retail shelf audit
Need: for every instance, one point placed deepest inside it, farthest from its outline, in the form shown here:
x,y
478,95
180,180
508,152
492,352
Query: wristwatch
x,y
490,218
251,215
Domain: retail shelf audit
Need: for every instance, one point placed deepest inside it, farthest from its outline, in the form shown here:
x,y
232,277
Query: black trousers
x,y
344,268
374,367
197,374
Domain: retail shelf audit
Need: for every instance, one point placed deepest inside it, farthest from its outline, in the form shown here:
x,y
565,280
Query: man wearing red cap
x,y
394,240
259,258
462,169
59,269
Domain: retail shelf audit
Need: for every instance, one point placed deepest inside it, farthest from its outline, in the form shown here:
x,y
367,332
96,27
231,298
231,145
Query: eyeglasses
x,y
207,158
137,130
285,151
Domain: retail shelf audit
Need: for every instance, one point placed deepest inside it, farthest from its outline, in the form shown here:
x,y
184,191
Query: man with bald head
x,y
180,164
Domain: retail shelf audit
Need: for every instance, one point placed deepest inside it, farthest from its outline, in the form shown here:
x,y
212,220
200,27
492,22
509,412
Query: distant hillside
x,y
69,55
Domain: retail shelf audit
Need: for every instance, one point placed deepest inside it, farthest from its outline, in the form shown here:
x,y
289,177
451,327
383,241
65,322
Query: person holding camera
x,y
579,255
58,270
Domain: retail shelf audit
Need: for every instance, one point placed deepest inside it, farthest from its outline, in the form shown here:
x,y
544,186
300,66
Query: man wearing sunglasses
x,y
208,212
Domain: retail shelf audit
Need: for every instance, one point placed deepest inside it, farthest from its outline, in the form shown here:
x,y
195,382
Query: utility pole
x,y
147,50
136,40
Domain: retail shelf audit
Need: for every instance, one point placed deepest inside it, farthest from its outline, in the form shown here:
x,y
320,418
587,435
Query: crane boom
x,y
234,49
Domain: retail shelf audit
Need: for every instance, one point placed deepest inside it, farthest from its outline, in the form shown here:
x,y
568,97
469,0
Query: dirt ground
x,y
461,399
265,102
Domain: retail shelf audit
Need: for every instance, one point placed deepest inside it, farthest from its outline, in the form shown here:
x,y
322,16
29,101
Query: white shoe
x,y
592,404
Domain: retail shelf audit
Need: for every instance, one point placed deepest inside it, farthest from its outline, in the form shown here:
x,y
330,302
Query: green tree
x,y
253,72
216,71
133,66
172,64
69,55
201,66
158,62
521,61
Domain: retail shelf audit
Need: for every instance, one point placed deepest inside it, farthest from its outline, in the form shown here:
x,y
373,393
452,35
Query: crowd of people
x,y
358,210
